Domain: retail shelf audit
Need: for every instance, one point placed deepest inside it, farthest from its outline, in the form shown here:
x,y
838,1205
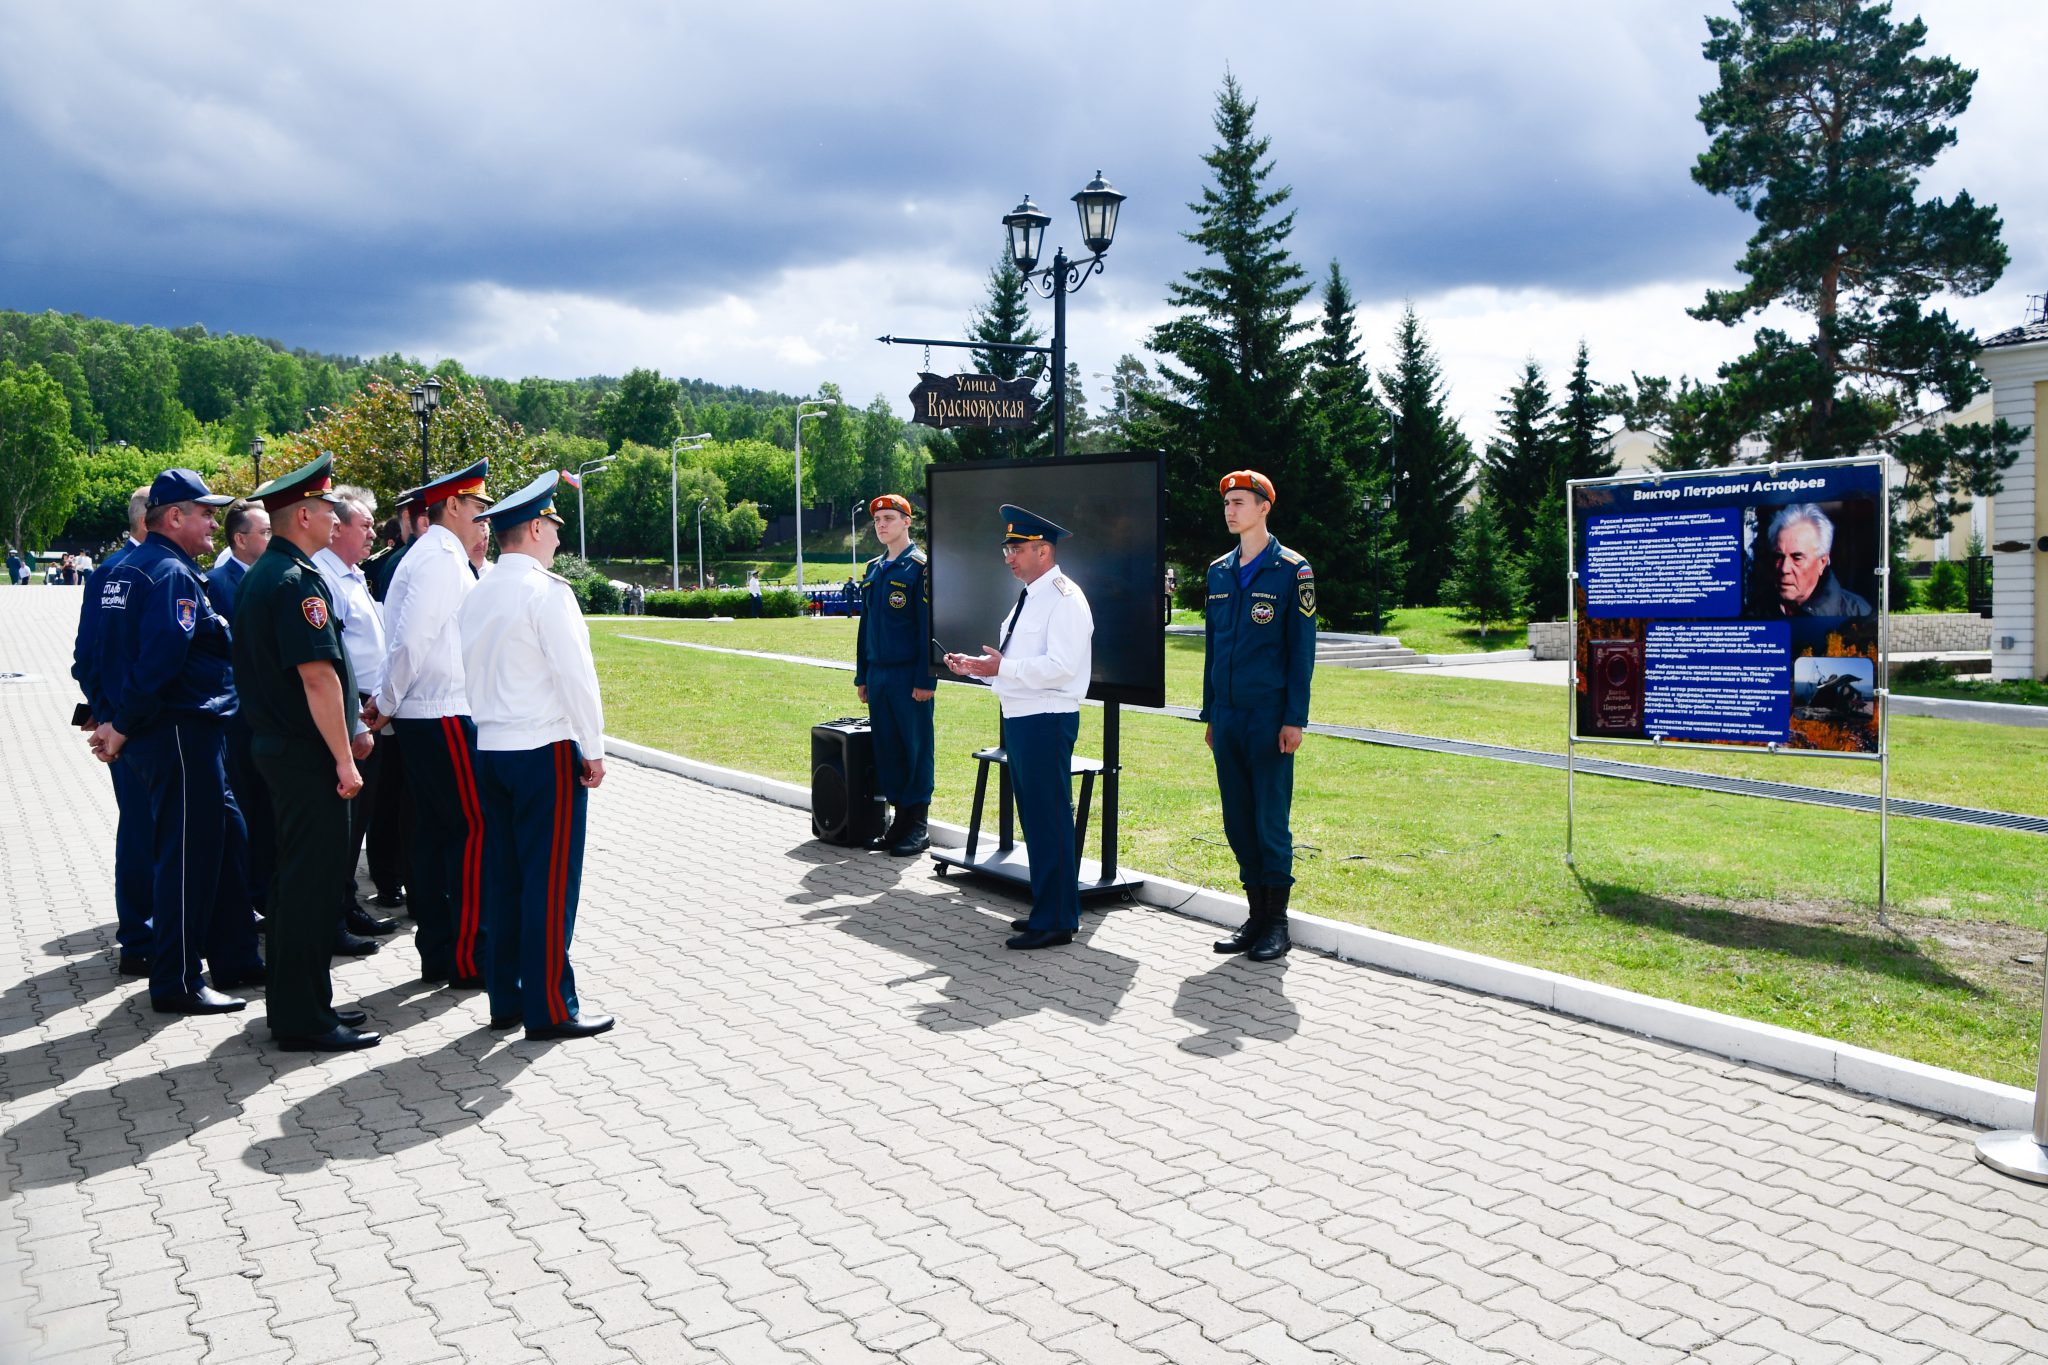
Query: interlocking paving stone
x,y
838,1122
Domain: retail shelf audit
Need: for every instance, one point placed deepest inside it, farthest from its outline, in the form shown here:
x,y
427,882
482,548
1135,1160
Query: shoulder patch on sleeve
x,y
1304,571
314,609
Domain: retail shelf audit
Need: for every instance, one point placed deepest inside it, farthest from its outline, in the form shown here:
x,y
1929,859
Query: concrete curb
x,y
1935,1089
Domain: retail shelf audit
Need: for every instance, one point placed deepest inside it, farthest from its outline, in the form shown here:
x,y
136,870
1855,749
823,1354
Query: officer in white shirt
x,y
424,698
1040,673
540,748
361,623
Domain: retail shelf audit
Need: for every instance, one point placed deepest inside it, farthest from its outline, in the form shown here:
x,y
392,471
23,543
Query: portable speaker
x,y
844,806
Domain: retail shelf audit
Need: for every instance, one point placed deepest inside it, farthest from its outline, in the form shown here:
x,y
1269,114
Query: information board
x,y
1737,606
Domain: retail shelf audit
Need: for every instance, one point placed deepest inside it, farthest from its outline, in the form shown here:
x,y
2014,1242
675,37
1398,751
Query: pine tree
x,y
1005,317
1581,430
1326,485
1545,564
1131,421
1429,459
1522,466
1486,587
1824,118
1232,379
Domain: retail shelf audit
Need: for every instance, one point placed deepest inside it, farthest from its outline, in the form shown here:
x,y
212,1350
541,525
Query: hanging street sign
x,y
981,401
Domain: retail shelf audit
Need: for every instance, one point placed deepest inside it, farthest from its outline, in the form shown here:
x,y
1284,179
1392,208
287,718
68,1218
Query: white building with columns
x,y
2016,363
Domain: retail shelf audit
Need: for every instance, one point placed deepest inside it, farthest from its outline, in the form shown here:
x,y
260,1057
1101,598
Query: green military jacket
x,y
284,617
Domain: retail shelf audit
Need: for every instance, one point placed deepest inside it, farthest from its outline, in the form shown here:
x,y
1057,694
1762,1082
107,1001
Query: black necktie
x,y
1010,626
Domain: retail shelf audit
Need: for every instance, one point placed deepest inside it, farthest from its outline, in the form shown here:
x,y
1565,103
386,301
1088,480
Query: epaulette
x,y
1065,586
916,555
1220,560
1291,556
559,579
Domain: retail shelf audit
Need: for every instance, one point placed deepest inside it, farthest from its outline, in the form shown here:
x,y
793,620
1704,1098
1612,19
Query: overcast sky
x,y
750,194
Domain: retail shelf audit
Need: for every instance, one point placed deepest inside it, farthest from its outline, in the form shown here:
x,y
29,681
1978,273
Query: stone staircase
x,y
1361,651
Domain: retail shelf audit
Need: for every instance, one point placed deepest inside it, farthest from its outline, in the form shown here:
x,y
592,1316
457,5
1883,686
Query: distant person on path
x,y
1259,652
1040,674
893,675
425,699
300,695
754,592
166,688
17,570
540,750
1802,541
134,859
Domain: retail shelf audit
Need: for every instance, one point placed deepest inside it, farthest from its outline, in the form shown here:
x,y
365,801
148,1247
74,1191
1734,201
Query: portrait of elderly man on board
x,y
1795,574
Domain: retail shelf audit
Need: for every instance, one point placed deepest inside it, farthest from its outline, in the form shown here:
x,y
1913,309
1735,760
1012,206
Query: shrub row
x,y
718,602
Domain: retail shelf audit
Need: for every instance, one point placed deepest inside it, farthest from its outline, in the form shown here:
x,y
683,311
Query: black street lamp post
x,y
1097,204
425,399
256,455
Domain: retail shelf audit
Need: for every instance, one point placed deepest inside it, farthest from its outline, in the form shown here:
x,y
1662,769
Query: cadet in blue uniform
x,y
540,749
1260,649
1039,674
168,690
893,674
133,859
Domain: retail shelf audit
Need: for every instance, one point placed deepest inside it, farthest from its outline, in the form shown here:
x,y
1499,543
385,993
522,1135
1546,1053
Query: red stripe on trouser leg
x,y
558,880
471,912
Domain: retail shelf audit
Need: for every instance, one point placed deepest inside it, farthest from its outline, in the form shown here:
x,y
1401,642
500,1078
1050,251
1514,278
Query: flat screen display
x,y
1114,508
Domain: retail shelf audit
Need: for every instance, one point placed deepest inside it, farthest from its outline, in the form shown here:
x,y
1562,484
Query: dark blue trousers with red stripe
x,y
535,807
446,893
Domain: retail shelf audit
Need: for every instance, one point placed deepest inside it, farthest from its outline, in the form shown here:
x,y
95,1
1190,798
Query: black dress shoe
x,y
348,945
1040,938
134,966
352,1018
582,1026
357,920
465,983
390,900
432,978
340,1038
254,976
501,1022
202,1001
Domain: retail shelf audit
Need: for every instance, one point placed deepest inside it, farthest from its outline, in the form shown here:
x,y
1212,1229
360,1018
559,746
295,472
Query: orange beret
x,y
895,501
1251,480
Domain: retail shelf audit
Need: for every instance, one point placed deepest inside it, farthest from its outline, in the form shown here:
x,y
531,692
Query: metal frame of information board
x,y
1881,684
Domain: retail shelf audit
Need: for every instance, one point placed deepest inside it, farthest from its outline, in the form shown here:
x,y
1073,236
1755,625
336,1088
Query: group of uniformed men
x,y
259,718
1259,655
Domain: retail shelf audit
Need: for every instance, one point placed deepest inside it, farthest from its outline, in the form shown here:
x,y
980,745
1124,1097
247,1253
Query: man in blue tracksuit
x,y
167,681
132,856
1260,643
893,675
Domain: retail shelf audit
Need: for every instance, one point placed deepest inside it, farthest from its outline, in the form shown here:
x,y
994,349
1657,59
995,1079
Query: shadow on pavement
x,y
1235,1000
75,983
44,1066
961,945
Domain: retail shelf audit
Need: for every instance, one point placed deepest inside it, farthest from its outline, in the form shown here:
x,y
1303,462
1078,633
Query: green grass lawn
x,y
2013,692
1437,630
1757,908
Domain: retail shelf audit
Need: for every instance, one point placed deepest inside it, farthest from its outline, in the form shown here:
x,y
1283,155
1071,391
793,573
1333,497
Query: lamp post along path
x,y
1097,204
675,521
584,471
802,417
426,398
700,541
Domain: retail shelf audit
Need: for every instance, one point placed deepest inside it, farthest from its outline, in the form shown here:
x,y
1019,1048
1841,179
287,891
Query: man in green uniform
x,y
298,693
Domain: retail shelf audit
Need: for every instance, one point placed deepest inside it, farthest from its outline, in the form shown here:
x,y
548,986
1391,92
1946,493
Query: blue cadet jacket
x,y
85,645
164,651
895,616
1260,639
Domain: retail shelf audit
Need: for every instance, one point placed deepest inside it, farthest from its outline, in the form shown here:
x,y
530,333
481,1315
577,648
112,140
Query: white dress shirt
x,y
423,672
355,612
526,653
1046,666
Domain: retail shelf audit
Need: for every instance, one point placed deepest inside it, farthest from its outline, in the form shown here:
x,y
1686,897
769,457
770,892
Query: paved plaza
x,y
839,1123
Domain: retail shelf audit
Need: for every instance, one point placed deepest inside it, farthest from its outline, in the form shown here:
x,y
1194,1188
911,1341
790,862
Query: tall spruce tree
x,y
1430,461
1522,465
1327,486
1004,317
1582,429
1825,115
1232,378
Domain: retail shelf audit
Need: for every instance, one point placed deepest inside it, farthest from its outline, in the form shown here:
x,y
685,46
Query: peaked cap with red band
x,y
1251,481
463,483
889,502
286,491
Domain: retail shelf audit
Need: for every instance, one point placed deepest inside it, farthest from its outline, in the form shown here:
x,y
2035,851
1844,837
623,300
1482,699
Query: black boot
x,y
1273,940
1247,933
891,832
916,835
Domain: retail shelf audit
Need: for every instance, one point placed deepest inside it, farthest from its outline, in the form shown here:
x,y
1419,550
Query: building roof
x,y
2028,335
